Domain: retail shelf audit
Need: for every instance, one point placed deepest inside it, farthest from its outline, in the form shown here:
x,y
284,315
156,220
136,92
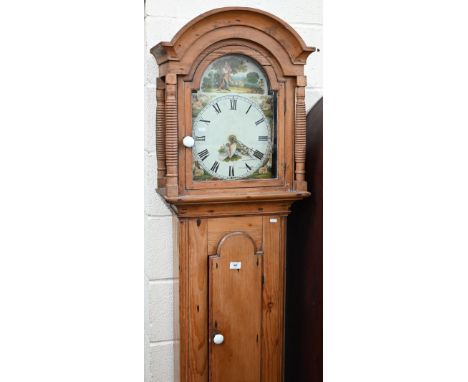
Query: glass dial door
x,y
234,122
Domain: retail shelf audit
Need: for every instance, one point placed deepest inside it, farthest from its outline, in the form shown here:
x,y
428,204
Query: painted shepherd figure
x,y
226,73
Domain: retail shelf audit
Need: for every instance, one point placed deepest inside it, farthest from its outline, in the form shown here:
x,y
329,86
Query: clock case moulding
x,y
282,54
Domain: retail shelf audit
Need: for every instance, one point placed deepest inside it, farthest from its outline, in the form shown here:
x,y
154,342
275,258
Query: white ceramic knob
x,y
188,141
218,339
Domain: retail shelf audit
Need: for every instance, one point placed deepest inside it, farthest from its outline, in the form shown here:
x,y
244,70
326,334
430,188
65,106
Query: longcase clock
x,y
230,140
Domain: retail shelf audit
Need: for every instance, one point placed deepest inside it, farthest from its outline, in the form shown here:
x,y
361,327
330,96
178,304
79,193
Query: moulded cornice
x,y
217,19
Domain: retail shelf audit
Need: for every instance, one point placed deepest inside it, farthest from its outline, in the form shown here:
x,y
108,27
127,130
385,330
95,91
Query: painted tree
x,y
236,63
252,77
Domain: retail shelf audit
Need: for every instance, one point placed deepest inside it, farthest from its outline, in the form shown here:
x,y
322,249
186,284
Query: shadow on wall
x,y
304,325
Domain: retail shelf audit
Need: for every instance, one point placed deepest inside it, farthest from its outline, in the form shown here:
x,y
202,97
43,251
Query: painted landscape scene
x,y
236,74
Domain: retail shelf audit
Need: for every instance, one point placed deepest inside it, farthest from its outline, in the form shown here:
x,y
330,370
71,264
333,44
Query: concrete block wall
x,y
162,21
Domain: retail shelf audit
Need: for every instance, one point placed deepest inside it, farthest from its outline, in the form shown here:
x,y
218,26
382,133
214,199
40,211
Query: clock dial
x,y
232,136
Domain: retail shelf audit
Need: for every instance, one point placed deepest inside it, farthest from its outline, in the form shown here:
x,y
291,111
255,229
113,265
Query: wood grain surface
x,y
272,299
235,297
217,228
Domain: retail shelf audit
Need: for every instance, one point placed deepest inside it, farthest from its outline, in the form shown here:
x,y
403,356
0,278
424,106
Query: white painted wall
x,y
162,21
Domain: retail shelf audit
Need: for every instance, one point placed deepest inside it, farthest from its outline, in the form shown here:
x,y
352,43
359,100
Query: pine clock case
x,y
209,212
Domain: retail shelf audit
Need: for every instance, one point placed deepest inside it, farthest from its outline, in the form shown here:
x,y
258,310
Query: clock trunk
x,y
232,283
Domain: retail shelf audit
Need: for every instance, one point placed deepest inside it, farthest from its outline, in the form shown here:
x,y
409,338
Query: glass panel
x,y
234,122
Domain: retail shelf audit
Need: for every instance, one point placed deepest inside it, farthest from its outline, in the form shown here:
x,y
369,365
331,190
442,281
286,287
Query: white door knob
x,y
218,339
188,141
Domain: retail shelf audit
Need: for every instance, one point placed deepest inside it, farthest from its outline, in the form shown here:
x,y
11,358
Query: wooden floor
x,y
304,324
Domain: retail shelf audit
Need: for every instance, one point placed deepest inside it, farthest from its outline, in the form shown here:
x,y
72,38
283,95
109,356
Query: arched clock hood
x,y
282,54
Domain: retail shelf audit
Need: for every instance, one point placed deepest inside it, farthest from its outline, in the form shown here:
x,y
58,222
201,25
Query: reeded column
x,y
300,135
171,136
160,133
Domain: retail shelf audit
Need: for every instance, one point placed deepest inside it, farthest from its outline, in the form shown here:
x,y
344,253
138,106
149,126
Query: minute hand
x,y
244,147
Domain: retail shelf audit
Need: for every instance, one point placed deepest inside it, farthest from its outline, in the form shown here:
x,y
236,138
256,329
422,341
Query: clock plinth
x,y
232,81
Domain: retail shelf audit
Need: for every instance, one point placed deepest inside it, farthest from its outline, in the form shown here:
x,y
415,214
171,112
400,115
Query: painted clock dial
x,y
233,122
232,138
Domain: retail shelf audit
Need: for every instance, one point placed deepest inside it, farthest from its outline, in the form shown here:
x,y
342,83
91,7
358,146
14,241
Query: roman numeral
x,y
233,104
199,139
231,171
215,166
217,108
257,154
246,165
263,138
260,121
203,154
204,120
248,109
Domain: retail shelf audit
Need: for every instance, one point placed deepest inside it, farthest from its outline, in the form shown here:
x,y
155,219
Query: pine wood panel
x,y
217,228
182,239
235,310
197,334
272,321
